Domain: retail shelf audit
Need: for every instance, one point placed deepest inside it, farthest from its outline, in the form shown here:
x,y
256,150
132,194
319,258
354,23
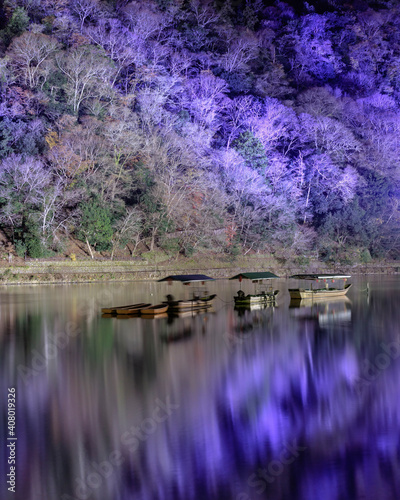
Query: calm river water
x,y
281,403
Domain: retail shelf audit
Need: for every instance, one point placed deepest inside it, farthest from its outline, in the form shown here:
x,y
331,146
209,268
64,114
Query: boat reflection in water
x,y
327,312
258,406
258,306
181,325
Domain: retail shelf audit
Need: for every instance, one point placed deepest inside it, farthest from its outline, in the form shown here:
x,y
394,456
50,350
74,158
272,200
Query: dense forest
x,y
231,126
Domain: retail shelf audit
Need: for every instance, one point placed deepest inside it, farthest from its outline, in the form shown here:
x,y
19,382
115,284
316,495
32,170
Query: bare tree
x,y
204,98
27,190
123,47
122,145
203,14
30,55
240,51
84,9
237,114
154,97
330,136
147,24
88,73
247,196
129,229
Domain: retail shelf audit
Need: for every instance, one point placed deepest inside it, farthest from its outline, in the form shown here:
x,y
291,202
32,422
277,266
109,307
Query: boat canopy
x,y
187,278
319,276
266,275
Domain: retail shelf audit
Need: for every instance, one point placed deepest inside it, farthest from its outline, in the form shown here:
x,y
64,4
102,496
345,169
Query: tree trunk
x,y
90,250
137,241
305,208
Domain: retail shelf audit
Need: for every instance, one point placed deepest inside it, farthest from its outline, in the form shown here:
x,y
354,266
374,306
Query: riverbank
x,y
39,271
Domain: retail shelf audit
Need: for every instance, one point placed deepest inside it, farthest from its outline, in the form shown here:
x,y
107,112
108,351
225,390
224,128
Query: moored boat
x,y
327,291
254,299
113,310
134,309
302,293
207,298
154,316
154,310
200,297
188,305
262,294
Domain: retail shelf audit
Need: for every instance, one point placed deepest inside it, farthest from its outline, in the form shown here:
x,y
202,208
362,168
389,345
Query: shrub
x,y
96,224
365,256
20,248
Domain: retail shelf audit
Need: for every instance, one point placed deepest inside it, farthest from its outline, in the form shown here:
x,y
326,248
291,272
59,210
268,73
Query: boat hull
x,y
113,310
323,293
262,298
154,310
194,304
188,305
135,309
208,298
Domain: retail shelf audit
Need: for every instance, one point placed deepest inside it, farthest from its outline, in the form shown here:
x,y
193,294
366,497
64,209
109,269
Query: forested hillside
x,y
232,126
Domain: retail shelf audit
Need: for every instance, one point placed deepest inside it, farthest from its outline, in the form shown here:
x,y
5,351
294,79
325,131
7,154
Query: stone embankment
x,y
64,271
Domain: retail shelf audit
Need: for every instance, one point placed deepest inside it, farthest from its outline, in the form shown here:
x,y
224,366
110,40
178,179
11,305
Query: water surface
x,y
281,403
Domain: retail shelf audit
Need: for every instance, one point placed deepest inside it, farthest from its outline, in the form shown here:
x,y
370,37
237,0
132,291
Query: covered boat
x,y
263,293
189,305
200,297
322,286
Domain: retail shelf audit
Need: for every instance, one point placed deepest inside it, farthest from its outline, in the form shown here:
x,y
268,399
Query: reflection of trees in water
x,y
311,398
274,392
286,381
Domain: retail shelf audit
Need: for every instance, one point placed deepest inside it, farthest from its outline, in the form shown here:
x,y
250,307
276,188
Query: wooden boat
x,y
189,305
262,294
200,297
134,309
320,293
302,293
301,303
252,299
113,310
207,298
154,310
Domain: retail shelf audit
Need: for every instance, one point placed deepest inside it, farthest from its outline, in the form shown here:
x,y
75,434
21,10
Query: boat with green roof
x,y
263,293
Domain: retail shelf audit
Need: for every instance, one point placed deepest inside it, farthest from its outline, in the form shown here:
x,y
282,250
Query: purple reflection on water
x,y
278,411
